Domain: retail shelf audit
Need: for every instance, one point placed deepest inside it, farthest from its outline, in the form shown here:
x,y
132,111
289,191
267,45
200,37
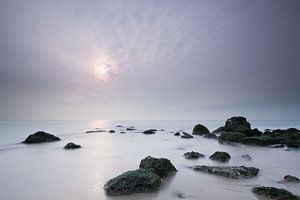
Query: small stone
x,y
193,155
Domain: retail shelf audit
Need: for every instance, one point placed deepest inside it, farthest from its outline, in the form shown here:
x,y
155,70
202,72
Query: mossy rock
x,y
160,166
274,193
262,140
135,181
210,136
72,145
232,136
237,124
219,130
200,129
40,137
220,156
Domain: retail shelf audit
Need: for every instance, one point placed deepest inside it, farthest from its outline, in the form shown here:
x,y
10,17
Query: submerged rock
x,y
274,193
193,155
220,156
232,136
234,172
277,146
150,131
40,137
200,129
160,166
131,128
237,124
186,135
135,181
72,145
246,156
210,136
291,179
112,131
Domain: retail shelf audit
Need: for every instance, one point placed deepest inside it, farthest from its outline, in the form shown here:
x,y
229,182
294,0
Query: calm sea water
x,y
47,172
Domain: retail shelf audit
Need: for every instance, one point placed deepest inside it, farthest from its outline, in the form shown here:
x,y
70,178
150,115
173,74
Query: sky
x,y
160,59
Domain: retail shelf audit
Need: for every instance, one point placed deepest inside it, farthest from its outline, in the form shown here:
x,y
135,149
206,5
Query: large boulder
x,y
274,193
135,181
72,145
160,166
237,124
220,156
200,129
232,136
234,172
40,137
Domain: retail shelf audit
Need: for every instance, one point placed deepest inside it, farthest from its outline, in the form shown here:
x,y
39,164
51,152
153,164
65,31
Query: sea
x,y
48,172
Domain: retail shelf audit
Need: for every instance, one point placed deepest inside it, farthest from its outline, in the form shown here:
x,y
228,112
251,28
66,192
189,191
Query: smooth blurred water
x,y
47,171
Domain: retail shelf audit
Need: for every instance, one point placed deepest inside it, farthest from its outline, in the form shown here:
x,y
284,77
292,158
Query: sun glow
x,y
103,67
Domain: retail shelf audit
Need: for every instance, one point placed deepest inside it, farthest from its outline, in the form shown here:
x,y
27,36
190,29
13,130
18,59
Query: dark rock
x,y
254,132
122,132
277,146
95,131
177,134
160,166
262,140
274,193
131,128
193,155
186,135
112,131
246,156
150,131
237,124
210,136
199,129
40,137
234,172
220,129
72,145
232,136
220,156
119,126
292,179
135,181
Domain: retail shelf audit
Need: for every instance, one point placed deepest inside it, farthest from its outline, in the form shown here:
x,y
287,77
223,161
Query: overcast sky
x,y
149,59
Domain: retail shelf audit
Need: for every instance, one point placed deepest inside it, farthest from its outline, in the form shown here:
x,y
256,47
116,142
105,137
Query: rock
x,y
177,134
112,131
237,124
185,135
274,193
119,126
292,179
255,132
277,146
246,156
135,181
262,140
179,195
232,136
122,132
210,136
220,156
40,137
199,129
131,128
193,155
95,131
234,172
160,166
150,131
220,129
72,145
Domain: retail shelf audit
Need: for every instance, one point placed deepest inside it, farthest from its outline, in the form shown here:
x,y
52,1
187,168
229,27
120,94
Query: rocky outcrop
x,y
274,193
40,137
185,135
160,166
291,179
232,136
193,155
219,130
135,181
150,131
234,172
200,129
237,124
210,136
72,145
220,156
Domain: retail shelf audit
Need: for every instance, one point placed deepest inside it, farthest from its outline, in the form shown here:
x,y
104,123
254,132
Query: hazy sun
x,y
103,69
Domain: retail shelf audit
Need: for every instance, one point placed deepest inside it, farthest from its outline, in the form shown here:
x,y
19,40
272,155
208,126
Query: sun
x,y
103,69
